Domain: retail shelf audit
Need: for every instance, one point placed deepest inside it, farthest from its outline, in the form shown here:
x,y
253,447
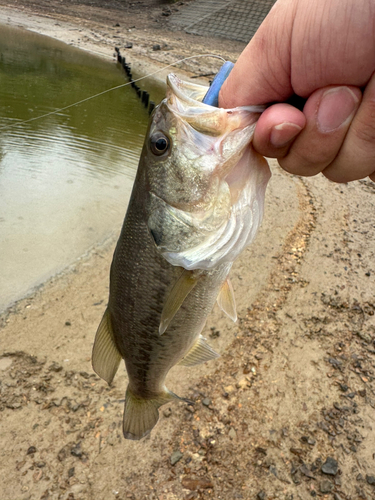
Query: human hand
x,y
324,51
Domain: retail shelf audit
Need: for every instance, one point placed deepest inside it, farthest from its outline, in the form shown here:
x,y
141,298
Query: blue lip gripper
x,y
212,96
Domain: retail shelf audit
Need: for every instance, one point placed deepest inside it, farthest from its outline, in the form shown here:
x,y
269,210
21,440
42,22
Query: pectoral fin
x,y
184,285
199,353
226,300
105,355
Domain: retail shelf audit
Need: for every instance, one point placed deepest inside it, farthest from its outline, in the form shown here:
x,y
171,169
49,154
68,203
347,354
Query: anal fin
x,y
183,286
105,355
226,300
199,353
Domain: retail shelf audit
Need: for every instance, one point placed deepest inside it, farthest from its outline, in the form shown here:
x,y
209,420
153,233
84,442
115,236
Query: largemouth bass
x,y
196,203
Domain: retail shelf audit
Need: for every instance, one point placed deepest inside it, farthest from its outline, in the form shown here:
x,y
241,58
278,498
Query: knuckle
x,y
300,164
366,134
308,158
365,125
335,175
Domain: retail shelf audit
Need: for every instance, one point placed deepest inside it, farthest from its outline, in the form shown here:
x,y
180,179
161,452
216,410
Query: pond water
x,y
65,180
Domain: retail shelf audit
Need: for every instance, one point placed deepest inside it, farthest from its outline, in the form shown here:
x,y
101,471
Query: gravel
x,y
330,466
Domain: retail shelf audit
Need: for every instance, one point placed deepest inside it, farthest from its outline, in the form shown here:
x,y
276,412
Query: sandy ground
x,y
287,412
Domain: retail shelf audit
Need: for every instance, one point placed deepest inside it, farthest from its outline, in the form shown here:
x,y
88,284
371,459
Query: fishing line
x,y
56,111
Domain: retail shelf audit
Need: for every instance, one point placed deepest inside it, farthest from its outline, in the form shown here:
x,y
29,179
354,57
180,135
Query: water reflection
x,y
65,180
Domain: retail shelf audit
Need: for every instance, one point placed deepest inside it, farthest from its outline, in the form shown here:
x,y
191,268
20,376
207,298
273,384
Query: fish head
x,y
192,151
180,169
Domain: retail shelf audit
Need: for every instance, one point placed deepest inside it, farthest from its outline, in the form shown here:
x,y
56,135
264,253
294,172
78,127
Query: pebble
x,y
326,486
156,47
273,470
196,484
364,336
330,466
243,383
297,451
229,389
31,450
196,457
261,495
206,402
76,451
176,457
308,440
167,412
370,479
62,454
232,433
14,406
306,471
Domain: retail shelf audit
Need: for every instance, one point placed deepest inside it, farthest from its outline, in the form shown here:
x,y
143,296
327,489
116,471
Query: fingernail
x,y
336,107
282,134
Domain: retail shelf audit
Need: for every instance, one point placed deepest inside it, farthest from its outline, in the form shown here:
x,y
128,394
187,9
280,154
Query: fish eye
x,y
159,144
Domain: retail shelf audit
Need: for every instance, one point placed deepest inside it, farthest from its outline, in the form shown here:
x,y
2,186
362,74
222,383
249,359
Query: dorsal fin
x,y
183,286
105,355
226,300
199,353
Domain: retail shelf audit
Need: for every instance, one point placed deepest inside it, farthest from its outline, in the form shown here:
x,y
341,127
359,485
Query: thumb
x,y
262,73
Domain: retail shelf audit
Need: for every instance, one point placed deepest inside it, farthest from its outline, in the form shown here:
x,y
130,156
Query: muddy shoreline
x,y
100,30
287,412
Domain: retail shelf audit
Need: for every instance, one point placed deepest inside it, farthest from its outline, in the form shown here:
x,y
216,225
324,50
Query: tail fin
x,y
141,415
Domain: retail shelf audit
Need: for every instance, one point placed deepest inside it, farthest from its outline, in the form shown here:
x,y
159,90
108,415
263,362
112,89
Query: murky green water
x,y
65,180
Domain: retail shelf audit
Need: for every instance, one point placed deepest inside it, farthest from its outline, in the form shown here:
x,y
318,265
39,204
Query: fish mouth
x,y
192,94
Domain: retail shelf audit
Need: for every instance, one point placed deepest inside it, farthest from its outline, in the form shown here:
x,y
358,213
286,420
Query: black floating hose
x,y
142,94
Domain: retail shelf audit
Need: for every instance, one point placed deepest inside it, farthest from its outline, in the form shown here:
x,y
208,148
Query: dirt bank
x,y
287,412
144,24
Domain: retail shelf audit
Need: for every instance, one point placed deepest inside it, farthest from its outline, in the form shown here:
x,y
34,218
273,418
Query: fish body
x,y
197,201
